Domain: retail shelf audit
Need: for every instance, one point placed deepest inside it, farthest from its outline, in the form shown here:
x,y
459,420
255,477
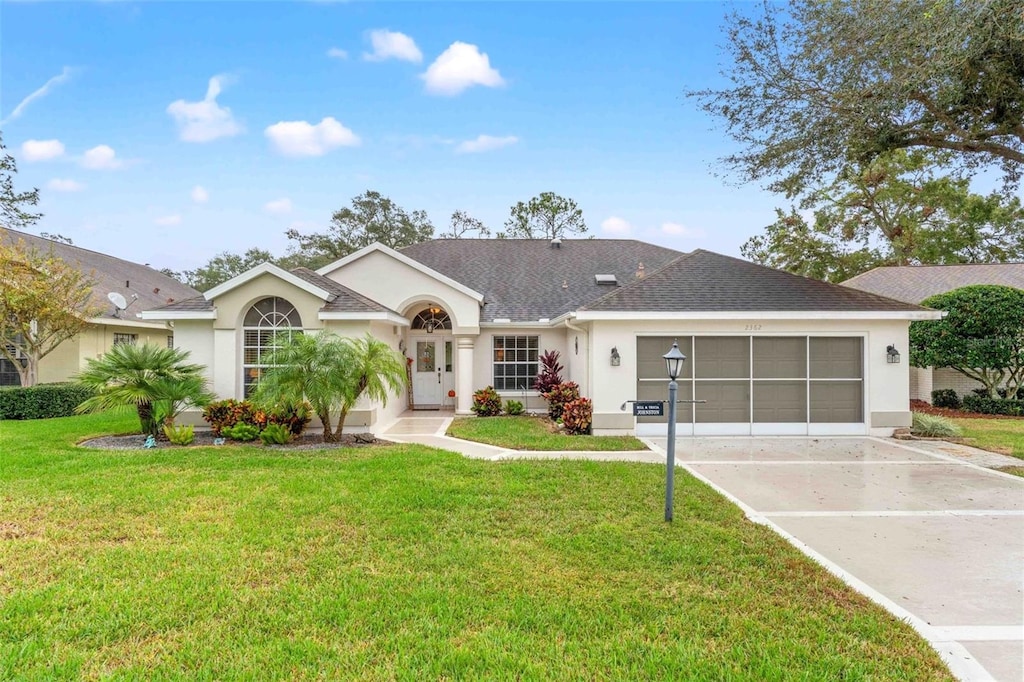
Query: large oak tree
x,y
816,85
895,210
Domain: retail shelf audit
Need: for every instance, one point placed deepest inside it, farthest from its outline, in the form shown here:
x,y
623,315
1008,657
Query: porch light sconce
x,y
892,356
616,358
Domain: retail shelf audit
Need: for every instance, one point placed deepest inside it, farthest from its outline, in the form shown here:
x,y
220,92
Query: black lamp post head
x,y
674,360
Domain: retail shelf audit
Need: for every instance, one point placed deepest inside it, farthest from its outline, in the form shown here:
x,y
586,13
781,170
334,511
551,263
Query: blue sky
x,y
280,113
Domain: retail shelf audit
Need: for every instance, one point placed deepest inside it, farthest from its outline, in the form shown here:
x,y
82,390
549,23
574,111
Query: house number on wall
x,y
752,328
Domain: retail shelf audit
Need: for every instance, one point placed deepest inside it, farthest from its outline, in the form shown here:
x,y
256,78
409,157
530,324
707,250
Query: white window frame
x,y
495,363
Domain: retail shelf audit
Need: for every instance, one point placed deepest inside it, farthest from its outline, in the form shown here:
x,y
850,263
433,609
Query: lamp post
x,y
673,362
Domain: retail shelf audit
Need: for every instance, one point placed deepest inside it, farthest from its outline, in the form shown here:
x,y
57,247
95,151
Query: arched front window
x,y
432,319
265,319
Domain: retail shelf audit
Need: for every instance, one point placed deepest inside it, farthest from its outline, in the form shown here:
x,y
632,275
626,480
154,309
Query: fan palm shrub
x,y
332,373
141,376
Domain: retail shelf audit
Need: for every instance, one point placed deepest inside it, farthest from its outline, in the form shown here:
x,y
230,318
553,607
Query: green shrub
x,y
946,397
241,431
985,405
275,434
933,426
486,402
577,415
43,401
180,435
513,408
559,396
225,413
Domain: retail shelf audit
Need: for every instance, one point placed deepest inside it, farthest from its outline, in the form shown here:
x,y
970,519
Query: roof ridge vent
x,y
556,242
606,279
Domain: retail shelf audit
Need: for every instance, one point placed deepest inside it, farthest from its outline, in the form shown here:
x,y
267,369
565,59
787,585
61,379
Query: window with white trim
x,y
131,339
170,340
515,362
264,320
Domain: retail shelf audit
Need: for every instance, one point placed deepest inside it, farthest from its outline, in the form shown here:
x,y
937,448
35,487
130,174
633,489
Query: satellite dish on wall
x,y
118,300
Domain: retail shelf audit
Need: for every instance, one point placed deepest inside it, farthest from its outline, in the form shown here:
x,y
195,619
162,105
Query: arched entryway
x,y
432,349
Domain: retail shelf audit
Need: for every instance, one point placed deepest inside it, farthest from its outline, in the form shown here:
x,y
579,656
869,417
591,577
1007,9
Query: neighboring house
x,y
140,287
915,283
770,352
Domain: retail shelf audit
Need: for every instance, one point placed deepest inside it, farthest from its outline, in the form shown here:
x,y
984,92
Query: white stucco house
x,y
915,283
770,352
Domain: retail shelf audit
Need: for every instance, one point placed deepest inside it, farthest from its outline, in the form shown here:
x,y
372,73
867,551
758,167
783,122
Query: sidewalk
x,y
430,431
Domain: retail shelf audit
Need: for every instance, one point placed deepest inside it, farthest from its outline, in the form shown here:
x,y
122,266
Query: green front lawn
x,y
403,562
534,433
998,435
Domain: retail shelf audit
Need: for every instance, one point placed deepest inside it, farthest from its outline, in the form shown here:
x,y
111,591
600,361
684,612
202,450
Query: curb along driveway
x,y
936,541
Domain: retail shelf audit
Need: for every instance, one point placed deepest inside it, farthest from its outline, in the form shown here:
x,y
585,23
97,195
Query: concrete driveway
x,y
934,540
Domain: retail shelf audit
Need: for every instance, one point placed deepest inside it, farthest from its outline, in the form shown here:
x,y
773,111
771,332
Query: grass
x,y
1005,436
534,433
403,563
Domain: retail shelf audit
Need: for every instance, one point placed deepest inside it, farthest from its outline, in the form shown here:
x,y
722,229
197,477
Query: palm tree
x,y
129,375
332,373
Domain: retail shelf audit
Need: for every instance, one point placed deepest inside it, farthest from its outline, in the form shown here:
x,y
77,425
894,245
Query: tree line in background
x,y
372,217
871,116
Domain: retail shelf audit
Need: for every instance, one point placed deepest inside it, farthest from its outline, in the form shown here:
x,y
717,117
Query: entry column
x,y
464,375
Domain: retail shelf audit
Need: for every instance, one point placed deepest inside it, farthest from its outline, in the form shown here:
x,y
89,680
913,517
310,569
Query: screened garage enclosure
x,y
758,385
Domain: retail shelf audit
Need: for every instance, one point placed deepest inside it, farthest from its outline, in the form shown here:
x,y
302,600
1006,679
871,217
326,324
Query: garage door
x,y
758,385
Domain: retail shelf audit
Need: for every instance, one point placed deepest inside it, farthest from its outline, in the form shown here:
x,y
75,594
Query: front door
x,y
427,374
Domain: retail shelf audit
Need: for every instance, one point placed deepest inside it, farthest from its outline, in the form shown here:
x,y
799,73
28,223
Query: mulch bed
x,y
922,406
307,441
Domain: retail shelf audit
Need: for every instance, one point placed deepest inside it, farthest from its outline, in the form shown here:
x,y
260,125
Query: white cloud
x,y
204,121
392,45
199,194
101,157
337,53
616,226
41,150
459,67
168,220
485,143
278,206
65,185
300,138
683,231
63,76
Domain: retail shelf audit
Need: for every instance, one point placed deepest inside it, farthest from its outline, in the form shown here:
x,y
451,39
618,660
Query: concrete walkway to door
x,y
936,541
417,427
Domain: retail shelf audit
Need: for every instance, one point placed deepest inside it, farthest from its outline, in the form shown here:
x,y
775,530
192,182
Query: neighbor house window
x,y
515,362
265,319
130,339
170,340
9,375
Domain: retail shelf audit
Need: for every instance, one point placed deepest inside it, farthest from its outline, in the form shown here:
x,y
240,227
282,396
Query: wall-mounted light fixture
x,y
892,356
616,358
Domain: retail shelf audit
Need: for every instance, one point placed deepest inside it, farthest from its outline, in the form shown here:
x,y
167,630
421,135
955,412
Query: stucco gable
x,y
405,285
377,247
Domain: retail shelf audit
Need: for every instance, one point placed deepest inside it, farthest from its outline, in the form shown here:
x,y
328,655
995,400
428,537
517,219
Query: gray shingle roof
x,y
914,283
342,299
529,279
705,281
152,287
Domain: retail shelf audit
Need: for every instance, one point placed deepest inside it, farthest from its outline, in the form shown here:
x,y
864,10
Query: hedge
x,y
41,402
985,405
